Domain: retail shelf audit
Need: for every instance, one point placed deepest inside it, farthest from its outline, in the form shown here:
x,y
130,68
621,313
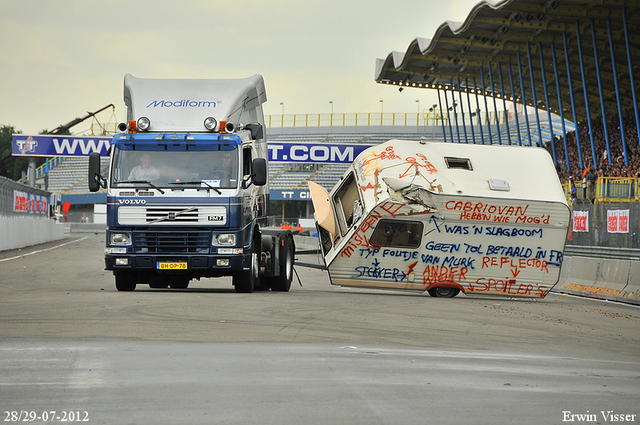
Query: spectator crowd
x,y
611,162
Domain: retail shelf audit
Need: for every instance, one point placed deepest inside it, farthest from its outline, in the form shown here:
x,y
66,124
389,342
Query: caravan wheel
x,y
444,292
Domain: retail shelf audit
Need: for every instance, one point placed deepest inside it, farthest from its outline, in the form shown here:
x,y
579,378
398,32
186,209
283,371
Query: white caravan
x,y
445,218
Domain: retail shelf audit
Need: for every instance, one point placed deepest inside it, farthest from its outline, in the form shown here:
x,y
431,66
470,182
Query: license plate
x,y
172,266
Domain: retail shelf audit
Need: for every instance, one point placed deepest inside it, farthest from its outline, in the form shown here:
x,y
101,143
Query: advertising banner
x,y
48,145
580,221
314,152
618,221
289,195
24,202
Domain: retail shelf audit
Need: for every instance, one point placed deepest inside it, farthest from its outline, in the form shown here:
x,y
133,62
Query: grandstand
x,y
292,176
569,68
69,175
575,58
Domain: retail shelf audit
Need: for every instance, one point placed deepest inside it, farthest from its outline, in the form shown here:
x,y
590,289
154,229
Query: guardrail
x,y
19,200
602,252
606,190
425,118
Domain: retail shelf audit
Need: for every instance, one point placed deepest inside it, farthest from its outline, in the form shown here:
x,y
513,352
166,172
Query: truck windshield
x,y
164,168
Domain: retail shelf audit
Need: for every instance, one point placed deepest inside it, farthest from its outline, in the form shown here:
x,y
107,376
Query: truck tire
x,y
178,282
125,281
157,282
282,283
245,281
444,292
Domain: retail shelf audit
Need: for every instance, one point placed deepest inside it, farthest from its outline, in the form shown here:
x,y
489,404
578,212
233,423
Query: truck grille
x,y
171,242
162,215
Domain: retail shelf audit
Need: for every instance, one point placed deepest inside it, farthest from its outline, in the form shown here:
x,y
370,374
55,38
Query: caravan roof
x,y
508,172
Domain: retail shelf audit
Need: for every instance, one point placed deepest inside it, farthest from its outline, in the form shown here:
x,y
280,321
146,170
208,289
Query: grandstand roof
x,y
497,36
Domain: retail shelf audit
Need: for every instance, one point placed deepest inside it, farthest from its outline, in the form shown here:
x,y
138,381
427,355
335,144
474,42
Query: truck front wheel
x,y
245,281
282,283
125,281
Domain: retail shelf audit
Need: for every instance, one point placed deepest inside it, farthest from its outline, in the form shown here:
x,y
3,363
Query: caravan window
x,y
347,204
397,233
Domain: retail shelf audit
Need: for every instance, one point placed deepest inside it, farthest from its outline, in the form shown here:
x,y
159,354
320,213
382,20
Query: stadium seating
x,y
70,175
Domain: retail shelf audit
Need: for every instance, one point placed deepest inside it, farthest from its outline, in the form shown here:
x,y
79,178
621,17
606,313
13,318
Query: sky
x,y
60,59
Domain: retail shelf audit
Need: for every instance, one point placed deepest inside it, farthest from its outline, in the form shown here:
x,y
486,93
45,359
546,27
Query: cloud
x,y
62,59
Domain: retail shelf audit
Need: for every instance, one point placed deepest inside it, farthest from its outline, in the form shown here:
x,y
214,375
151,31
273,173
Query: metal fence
x,y
613,225
17,200
606,190
434,118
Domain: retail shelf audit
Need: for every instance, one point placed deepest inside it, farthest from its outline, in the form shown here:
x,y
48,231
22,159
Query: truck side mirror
x,y
259,168
256,130
96,181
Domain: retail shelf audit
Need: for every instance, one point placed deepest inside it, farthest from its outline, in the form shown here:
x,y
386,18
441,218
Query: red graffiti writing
x,y
507,286
367,186
370,221
370,162
515,265
413,163
411,267
435,274
391,207
480,211
360,238
481,207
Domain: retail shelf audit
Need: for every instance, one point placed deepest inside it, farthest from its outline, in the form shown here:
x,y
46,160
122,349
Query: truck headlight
x,y
143,123
225,239
120,239
210,124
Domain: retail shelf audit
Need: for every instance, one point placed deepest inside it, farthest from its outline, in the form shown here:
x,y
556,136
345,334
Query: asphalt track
x,y
319,354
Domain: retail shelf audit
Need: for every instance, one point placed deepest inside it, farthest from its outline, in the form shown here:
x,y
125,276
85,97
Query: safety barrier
x,y
602,278
24,216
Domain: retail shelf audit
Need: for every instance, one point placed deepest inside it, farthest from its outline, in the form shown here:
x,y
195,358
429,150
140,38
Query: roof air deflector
x,y
460,163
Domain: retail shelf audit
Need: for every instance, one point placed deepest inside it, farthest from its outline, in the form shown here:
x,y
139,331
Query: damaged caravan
x,y
445,218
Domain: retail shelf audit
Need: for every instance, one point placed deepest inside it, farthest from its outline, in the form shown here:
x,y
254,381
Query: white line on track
x,y
42,250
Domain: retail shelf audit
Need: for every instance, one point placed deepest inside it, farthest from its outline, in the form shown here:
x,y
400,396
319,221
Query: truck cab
x,y
187,187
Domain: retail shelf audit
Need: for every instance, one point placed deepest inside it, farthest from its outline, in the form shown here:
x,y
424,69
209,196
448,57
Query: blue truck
x,y
187,187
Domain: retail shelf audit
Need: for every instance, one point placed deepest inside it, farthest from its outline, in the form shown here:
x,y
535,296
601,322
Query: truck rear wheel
x,y
245,281
282,283
444,292
125,281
